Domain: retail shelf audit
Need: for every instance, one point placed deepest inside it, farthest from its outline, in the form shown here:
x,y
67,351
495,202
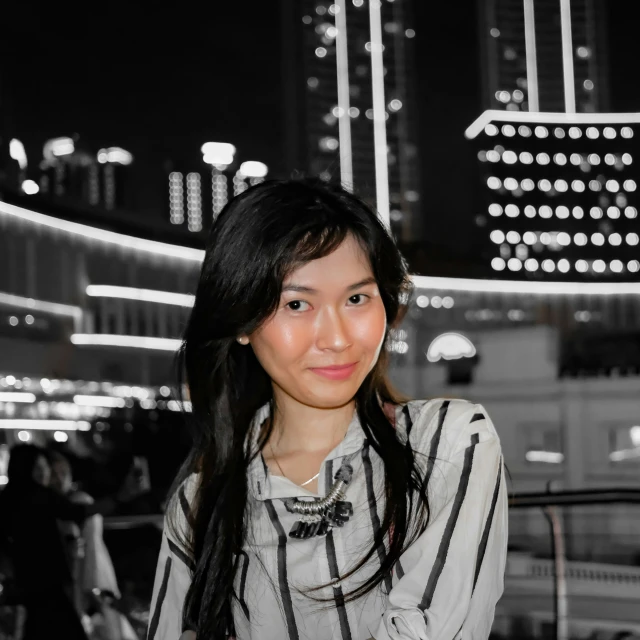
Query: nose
x,y
332,331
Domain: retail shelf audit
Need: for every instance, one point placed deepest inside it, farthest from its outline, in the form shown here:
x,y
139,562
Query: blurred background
x,y
498,139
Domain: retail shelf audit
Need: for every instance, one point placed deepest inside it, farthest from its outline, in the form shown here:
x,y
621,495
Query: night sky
x,y
161,82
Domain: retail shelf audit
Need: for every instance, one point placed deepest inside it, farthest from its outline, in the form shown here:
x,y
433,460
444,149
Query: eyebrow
x,y
302,289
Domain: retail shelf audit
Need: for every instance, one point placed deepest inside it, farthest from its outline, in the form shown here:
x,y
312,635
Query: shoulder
x,y
181,508
442,426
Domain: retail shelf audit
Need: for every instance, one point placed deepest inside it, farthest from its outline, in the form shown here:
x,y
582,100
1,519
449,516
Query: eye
x,y
358,299
296,305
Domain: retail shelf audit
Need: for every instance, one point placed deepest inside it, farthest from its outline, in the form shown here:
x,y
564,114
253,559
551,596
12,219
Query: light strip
x,y
46,425
379,112
527,287
531,55
110,237
552,457
547,117
344,119
32,304
567,57
624,454
143,295
17,396
99,401
134,342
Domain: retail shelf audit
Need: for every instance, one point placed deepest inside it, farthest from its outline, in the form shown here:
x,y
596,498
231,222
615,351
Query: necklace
x,y
304,484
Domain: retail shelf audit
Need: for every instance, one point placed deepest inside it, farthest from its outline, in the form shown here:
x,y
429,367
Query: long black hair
x,y
257,240
22,462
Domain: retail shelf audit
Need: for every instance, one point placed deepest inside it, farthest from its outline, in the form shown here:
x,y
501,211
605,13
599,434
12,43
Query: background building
x,y
311,100
503,61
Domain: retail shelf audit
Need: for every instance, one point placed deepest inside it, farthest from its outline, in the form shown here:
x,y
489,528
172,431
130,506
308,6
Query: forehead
x,y
348,261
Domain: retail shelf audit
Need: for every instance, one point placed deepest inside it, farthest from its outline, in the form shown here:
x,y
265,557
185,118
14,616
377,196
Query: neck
x,y
303,428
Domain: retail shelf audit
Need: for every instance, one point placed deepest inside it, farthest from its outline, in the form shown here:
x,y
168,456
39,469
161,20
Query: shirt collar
x,y
264,485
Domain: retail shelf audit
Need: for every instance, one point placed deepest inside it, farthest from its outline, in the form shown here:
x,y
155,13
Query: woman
x,y
29,536
316,503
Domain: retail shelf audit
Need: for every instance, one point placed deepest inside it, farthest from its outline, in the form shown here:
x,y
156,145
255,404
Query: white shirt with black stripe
x,y
444,587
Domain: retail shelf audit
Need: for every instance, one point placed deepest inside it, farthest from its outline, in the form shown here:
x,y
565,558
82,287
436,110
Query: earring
x,y
242,340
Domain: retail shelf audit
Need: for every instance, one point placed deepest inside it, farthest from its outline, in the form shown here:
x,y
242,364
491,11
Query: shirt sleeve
x,y
174,570
452,576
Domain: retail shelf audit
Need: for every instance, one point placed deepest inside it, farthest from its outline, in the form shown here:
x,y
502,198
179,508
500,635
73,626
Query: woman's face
x,y
330,313
41,471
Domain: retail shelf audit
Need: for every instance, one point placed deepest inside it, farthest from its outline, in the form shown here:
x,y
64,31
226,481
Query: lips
x,y
336,371
335,367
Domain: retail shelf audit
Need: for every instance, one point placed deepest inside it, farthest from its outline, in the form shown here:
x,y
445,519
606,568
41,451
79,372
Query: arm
x,y
454,572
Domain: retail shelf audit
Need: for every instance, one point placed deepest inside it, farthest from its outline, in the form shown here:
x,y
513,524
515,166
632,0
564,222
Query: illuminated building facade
x,y
313,76
503,55
561,195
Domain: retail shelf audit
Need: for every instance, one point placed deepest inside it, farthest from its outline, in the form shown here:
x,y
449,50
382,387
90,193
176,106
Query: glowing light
x,y
575,159
561,185
597,239
493,156
629,185
497,236
582,266
543,158
176,198
545,238
395,105
328,143
560,159
24,436
46,425
115,155
17,396
254,169
494,183
595,185
509,157
495,210
513,237
563,265
558,132
627,159
592,133
514,264
524,131
545,211
450,346
575,133
30,187
491,130
526,157
610,159
194,202
562,212
99,401
510,183
563,239
612,185
321,52
133,342
578,186
410,33
541,132
596,213
580,239
633,266
631,212
544,185
548,265
218,153
436,302
130,242
60,436
18,153
626,132
508,130
54,308
613,212
550,457
527,184
498,264
512,211
616,266
422,301
57,147
599,266
529,237
578,213
447,302
631,239
531,264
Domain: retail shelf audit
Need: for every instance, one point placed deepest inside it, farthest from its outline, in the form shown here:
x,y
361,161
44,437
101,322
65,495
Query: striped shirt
x,y
445,585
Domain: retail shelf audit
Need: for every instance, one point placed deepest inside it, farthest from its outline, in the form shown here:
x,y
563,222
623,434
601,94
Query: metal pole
x,y
344,119
567,57
531,55
559,577
379,112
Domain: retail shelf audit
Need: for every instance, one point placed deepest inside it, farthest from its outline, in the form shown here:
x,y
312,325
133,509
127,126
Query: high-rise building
x,y
313,72
503,54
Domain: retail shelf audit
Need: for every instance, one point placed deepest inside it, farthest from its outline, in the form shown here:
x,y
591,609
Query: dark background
x,y
160,82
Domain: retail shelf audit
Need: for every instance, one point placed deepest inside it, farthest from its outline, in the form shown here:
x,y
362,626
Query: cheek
x,y
370,328
279,342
